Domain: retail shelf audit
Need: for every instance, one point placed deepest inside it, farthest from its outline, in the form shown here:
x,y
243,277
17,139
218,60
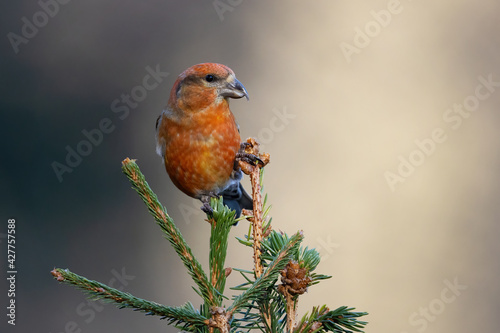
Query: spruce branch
x,y
295,280
185,317
263,303
291,310
261,295
174,236
252,315
254,171
269,276
297,276
340,320
252,147
219,319
221,222
257,220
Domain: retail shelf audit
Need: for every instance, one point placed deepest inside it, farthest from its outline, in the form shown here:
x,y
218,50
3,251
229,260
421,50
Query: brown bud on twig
x,y
219,319
294,279
315,326
57,275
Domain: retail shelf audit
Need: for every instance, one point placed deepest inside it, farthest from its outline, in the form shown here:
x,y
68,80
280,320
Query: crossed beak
x,y
234,89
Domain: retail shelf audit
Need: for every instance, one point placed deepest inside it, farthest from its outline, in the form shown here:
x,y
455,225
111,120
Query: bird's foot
x,y
244,155
205,199
248,157
207,209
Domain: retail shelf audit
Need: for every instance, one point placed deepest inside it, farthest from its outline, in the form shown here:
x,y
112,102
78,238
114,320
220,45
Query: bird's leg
x,y
205,199
242,155
206,207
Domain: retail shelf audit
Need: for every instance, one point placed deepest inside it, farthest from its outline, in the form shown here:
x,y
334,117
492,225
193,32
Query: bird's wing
x,y
160,142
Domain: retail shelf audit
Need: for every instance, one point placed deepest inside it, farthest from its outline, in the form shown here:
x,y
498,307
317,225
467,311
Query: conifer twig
x,y
262,304
252,147
340,320
220,319
174,236
269,276
183,317
221,223
257,219
291,314
295,280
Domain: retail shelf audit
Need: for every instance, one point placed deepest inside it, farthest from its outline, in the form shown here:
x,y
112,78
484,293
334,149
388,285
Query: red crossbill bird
x,y
198,138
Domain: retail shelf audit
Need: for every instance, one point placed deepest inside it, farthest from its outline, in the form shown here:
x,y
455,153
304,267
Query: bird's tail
x,y
236,198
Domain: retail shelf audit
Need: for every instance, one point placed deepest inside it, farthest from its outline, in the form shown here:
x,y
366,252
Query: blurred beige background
x,y
358,104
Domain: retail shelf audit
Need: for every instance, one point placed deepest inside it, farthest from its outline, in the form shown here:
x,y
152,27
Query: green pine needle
x,y
308,258
269,276
222,221
174,236
340,320
185,317
259,305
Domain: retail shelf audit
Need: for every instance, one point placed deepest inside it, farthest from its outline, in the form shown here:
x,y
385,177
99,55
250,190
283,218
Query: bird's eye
x,y
209,78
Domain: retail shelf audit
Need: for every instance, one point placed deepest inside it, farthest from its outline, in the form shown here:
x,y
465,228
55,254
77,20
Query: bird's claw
x,y
245,145
249,158
205,199
207,209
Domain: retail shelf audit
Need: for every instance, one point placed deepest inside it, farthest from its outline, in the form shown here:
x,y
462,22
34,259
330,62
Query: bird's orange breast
x,y
200,149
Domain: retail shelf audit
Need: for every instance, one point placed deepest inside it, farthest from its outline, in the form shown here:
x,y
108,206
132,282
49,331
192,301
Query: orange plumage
x,y
198,137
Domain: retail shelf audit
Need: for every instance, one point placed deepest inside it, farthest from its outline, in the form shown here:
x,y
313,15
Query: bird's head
x,y
204,85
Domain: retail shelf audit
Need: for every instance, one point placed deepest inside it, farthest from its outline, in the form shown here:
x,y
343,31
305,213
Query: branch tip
x,y
128,161
55,273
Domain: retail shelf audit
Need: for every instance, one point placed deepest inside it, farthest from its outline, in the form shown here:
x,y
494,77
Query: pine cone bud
x,y
294,279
